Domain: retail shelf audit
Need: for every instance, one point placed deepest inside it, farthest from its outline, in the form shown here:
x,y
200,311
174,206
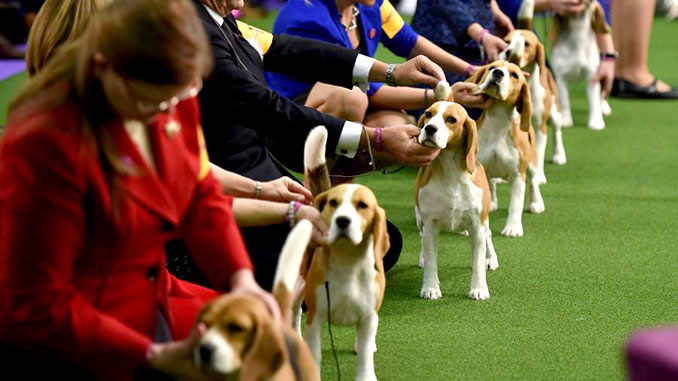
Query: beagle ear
x,y
267,352
380,238
524,107
420,122
321,201
471,144
478,75
598,21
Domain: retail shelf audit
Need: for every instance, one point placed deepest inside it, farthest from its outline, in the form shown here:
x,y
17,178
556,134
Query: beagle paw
x,y
479,293
431,293
492,263
493,206
513,230
537,207
567,121
605,106
559,158
366,377
596,124
463,232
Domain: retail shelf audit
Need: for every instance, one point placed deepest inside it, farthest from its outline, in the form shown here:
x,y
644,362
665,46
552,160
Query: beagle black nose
x,y
343,222
206,353
498,73
431,129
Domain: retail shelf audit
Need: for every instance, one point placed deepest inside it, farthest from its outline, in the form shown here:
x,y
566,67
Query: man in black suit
x,y
240,113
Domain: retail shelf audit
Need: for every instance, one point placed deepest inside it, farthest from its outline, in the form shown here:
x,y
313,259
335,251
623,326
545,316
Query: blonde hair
x,y
57,22
155,41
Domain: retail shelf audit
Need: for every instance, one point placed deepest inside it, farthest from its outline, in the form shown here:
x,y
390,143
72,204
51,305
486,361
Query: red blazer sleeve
x,y
42,231
209,228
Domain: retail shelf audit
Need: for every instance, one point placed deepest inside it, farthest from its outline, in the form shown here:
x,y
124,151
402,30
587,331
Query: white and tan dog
x,y
244,342
507,140
452,194
575,57
346,277
526,51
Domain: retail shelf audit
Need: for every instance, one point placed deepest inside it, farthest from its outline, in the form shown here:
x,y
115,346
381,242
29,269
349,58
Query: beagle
x,y
242,339
345,280
507,140
452,194
526,51
575,56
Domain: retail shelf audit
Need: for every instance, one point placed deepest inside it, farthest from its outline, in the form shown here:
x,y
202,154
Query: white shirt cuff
x,y
349,140
361,71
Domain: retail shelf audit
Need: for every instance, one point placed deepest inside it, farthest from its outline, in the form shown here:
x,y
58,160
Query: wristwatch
x,y
389,75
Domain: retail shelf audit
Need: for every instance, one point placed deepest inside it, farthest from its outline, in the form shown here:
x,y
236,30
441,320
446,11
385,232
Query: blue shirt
x,y
320,20
445,21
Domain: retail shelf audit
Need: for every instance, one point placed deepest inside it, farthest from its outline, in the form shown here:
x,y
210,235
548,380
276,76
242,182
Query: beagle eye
x,y
333,203
234,328
451,120
527,43
362,205
514,75
428,115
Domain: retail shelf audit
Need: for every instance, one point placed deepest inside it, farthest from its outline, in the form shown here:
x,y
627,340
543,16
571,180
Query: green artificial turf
x,y
598,264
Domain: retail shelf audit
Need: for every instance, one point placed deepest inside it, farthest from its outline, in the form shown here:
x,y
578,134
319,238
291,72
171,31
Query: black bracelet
x,y
609,55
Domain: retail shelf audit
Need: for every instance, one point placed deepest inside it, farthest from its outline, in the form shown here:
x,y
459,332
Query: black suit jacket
x,y
240,112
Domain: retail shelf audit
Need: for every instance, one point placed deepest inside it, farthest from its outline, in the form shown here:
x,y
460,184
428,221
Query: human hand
x,y
307,212
285,189
462,92
567,7
605,76
492,45
243,282
402,143
418,70
176,357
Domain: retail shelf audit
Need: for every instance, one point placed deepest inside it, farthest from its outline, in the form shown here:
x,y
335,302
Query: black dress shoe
x,y
622,88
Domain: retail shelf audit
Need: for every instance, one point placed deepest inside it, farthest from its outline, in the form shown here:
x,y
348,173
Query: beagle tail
x,y
526,15
316,174
289,263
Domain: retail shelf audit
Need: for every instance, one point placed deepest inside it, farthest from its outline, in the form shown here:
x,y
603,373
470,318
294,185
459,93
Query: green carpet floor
x,y
598,264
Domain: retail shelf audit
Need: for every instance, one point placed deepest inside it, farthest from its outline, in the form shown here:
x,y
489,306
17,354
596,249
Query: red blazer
x,y
82,268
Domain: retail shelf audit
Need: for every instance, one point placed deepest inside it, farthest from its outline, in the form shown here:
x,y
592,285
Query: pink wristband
x,y
480,37
377,139
469,70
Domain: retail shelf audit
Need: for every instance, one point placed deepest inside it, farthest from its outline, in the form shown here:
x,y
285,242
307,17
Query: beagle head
x,y
241,339
524,49
354,217
446,125
505,82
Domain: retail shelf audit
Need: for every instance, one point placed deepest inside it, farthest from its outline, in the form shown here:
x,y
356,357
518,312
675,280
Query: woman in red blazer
x,y
102,163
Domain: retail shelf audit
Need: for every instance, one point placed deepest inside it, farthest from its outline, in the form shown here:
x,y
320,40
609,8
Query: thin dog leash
x,y
329,323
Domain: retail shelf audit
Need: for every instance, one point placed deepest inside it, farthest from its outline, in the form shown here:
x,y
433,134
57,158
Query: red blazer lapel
x,y
146,187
